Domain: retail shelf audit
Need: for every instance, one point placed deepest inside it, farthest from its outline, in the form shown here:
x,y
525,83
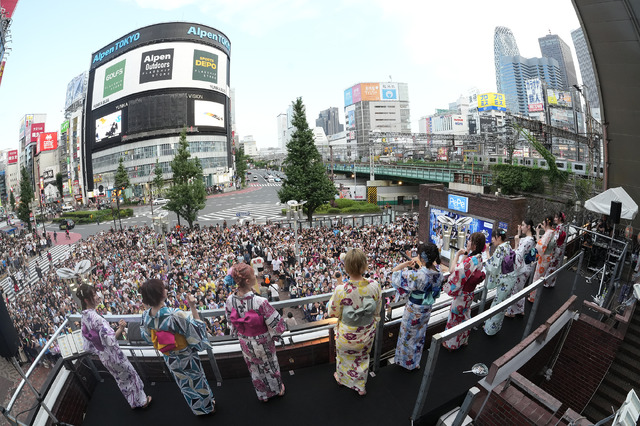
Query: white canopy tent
x,y
601,203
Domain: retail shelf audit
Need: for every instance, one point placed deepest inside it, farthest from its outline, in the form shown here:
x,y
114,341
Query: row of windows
x,y
148,170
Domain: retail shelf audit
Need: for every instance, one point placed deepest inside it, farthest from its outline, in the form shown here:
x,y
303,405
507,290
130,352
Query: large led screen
x,y
160,66
109,126
207,113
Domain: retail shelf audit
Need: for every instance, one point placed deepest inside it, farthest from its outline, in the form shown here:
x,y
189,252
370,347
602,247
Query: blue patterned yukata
x,y
503,283
184,364
423,286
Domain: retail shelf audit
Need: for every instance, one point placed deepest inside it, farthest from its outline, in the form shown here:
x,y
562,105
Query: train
x,y
572,166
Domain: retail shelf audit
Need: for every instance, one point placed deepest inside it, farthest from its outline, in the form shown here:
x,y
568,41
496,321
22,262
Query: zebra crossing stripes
x,y
59,254
265,184
259,211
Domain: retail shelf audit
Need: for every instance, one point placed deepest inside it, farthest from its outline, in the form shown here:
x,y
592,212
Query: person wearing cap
x,y
503,283
421,278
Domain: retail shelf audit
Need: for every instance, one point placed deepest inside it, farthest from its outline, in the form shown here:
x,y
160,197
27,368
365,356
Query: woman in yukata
x,y
423,282
357,305
179,335
100,338
560,238
256,324
546,247
502,282
464,278
525,242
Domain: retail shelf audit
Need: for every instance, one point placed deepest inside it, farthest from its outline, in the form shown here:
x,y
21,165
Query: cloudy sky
x,y
282,49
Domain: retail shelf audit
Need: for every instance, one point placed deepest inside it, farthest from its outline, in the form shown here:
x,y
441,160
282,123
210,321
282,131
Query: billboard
x,y
492,101
370,91
535,98
109,126
12,157
36,129
435,228
47,142
488,125
161,66
76,90
9,6
348,97
357,94
389,91
559,98
207,113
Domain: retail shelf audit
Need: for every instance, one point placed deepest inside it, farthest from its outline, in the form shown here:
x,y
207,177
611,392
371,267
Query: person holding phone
x,y
422,279
524,242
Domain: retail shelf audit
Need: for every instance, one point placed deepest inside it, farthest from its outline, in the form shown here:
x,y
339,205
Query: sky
x,y
282,49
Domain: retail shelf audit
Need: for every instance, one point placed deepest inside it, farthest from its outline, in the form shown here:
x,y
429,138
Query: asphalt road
x,y
259,198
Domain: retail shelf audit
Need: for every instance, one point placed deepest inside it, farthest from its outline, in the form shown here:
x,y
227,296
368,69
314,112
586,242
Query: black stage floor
x,y
313,398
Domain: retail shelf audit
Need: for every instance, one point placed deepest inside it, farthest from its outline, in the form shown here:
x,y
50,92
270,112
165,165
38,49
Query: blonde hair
x,y
243,275
355,262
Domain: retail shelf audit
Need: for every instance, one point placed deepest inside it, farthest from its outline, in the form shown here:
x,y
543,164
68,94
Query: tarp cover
x,y
601,203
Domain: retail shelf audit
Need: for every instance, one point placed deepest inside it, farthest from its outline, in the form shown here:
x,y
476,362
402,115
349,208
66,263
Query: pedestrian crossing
x,y
278,184
59,254
258,211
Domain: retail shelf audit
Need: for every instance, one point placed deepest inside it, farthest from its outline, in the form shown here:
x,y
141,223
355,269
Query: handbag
x,y
166,342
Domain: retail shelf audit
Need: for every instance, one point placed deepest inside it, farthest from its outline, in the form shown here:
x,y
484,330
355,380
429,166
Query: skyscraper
x,y
552,46
515,71
504,44
586,67
283,126
328,120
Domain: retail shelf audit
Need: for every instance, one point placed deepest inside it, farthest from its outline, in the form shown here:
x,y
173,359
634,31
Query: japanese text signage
x,y
491,101
458,203
534,95
12,157
36,129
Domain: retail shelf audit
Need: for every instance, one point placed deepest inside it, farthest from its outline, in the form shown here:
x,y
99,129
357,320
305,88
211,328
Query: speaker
x,y
614,213
9,340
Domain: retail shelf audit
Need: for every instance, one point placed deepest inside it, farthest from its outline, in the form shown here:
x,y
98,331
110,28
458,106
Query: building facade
x,y
283,131
516,70
585,63
329,121
143,90
374,107
504,44
552,46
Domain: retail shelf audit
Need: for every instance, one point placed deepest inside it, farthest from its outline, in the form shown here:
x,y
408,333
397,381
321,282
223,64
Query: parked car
x,y
67,224
158,201
68,208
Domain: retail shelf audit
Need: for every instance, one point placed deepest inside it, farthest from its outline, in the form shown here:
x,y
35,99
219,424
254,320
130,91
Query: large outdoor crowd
x,y
196,262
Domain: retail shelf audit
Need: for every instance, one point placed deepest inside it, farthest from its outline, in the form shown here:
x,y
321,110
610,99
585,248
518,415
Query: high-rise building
x,y
586,67
552,46
329,121
504,44
516,70
283,126
379,107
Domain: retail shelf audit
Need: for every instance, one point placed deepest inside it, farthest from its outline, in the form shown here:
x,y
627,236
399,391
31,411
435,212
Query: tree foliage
x,y
306,178
158,179
12,201
26,197
59,184
122,178
187,194
512,179
241,165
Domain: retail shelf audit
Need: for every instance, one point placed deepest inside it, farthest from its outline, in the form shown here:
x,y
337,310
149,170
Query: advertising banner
x,y
348,97
535,98
109,126
370,91
559,98
64,127
9,6
458,203
36,129
12,157
207,113
488,125
492,101
389,91
76,89
435,228
350,116
47,141
169,65
357,94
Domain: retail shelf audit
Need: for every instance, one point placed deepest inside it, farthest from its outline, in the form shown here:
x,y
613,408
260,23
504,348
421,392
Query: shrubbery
x,y
90,216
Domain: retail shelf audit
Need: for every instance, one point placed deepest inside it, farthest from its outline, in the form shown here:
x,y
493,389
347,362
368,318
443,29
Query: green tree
x,y
306,177
241,165
12,201
122,178
158,179
26,197
59,184
187,193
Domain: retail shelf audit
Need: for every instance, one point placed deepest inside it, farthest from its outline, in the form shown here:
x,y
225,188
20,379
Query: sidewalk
x,y
9,380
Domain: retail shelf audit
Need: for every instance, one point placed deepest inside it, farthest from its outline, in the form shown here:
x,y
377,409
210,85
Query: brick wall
x,y
583,362
511,210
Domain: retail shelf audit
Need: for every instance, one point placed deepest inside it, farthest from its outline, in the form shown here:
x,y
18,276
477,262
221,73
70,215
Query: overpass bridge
x,y
417,174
